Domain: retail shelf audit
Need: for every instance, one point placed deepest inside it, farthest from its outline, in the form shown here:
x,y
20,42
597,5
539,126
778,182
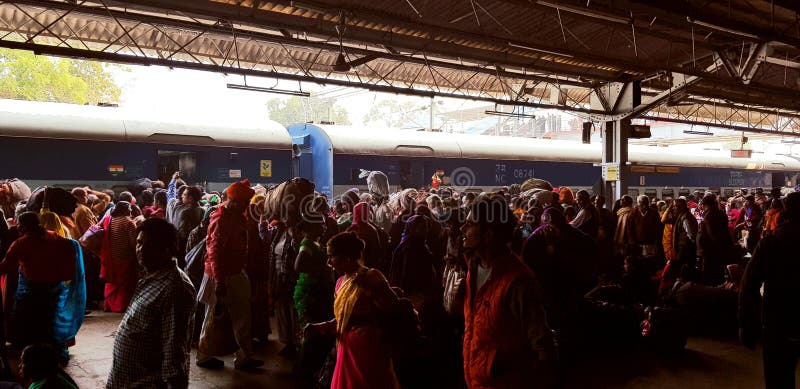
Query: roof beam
x,y
138,60
282,39
679,11
721,125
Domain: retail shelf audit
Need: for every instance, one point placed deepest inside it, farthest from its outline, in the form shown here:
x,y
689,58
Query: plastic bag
x,y
218,338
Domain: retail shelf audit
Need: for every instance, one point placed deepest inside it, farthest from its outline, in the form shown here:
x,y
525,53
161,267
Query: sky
x,y
162,93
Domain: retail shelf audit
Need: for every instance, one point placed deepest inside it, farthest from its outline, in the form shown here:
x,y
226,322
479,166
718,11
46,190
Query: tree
x,y
306,109
391,113
736,145
26,76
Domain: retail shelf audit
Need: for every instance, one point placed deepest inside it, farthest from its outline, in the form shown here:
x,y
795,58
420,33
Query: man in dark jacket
x,y
562,259
774,265
184,213
714,242
648,227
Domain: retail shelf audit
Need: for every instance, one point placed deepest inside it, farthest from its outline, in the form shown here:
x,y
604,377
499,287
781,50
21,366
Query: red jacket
x,y
226,243
490,333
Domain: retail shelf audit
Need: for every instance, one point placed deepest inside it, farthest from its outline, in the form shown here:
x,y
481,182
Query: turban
x,y
240,191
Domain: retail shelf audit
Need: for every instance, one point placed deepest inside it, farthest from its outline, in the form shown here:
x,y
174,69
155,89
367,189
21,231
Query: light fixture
x,y
307,7
518,46
720,28
511,114
791,141
269,90
693,132
586,12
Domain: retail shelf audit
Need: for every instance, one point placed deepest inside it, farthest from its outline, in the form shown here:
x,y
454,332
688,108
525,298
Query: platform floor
x,y
706,364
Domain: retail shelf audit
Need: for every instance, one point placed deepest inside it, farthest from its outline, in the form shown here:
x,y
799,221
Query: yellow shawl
x,y
346,298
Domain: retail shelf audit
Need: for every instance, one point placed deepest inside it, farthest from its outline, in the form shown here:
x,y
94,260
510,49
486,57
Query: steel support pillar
x,y
615,153
618,100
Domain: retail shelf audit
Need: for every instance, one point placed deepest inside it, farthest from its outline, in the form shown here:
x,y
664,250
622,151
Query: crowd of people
x,y
417,288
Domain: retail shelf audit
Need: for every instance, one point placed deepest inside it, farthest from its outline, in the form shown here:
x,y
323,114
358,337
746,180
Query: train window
x,y
633,193
727,192
667,192
354,175
683,192
651,193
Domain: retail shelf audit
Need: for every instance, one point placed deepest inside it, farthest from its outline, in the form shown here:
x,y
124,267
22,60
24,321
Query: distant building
x,y
552,123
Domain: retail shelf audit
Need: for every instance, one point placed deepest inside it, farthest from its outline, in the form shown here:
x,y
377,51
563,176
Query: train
x,y
68,145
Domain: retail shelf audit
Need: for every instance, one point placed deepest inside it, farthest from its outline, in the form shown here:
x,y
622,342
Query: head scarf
x,y
415,225
19,190
240,191
120,206
565,195
360,214
556,216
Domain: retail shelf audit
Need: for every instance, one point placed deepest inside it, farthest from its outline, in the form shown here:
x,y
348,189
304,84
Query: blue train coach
x,y
68,145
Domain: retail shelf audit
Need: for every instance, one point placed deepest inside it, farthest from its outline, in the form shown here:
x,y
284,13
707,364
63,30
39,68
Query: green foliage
x,y
26,76
736,145
391,113
298,109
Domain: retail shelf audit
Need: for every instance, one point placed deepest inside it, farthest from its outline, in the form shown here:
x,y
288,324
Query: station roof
x,y
729,63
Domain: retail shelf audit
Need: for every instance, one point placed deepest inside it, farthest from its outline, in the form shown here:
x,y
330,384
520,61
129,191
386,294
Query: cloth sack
x,y
92,239
454,279
195,263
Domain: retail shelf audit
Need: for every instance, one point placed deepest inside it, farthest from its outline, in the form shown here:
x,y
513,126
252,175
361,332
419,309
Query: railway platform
x,y
706,363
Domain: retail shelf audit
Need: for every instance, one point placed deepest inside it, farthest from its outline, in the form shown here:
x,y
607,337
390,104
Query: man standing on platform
x,y
225,284
775,316
151,349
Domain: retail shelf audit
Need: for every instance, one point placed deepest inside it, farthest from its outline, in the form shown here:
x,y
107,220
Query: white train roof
x,y
387,141
84,122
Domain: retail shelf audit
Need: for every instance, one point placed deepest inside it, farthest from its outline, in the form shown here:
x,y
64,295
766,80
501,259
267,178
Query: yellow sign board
x,y
266,168
610,172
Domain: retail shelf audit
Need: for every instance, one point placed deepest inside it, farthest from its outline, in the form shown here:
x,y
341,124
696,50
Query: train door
x,y
418,174
170,162
406,180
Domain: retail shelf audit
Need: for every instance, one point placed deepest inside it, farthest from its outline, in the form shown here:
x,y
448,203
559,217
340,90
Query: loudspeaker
x,y
586,135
